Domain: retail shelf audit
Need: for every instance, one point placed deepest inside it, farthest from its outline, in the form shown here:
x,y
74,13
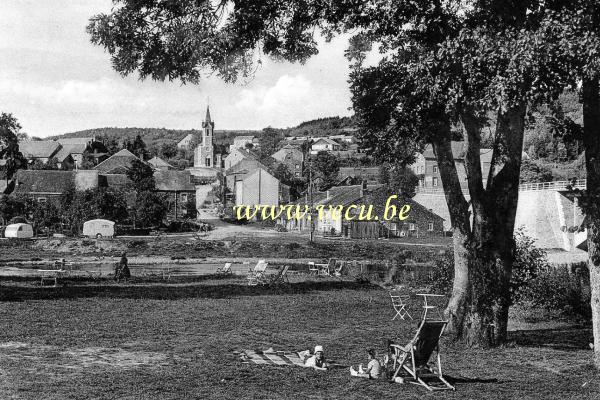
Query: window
x,y
184,197
208,161
430,226
411,226
435,181
41,199
435,169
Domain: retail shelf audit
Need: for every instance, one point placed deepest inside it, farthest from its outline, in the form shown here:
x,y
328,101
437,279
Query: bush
x,y
557,289
529,262
441,276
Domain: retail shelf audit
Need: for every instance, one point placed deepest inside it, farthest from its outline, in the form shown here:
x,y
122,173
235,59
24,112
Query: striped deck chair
x,y
257,275
414,357
312,268
280,277
225,269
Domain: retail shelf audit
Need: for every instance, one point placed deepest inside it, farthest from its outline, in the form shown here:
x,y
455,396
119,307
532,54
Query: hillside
x,y
153,136
157,136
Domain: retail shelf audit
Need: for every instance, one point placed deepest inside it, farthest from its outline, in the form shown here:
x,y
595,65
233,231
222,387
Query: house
x,y
118,163
180,190
243,168
359,174
39,150
159,164
77,148
426,167
343,138
187,142
46,185
259,187
236,155
243,142
291,157
331,208
324,144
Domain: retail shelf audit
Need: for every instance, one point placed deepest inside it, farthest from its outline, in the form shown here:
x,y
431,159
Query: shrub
x,y
529,262
557,289
442,274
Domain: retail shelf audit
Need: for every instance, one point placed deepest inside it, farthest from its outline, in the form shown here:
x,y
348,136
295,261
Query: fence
x,y
555,185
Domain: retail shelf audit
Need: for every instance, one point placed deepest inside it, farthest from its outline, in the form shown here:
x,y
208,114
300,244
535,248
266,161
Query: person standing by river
x,y
122,269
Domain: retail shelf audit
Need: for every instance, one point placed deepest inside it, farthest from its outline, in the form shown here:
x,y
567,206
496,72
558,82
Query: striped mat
x,y
271,357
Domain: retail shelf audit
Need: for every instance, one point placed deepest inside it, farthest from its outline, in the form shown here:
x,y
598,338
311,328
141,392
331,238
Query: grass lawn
x,y
176,341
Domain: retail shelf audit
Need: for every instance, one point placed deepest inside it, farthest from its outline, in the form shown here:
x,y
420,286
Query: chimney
x,y
328,193
363,188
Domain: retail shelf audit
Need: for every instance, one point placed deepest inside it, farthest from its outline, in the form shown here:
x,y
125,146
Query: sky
x,y
54,81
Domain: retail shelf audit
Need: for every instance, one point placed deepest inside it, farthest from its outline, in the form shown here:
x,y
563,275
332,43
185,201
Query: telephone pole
x,y
310,201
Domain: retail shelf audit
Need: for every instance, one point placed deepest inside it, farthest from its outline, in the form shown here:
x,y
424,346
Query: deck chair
x,y
325,269
414,357
399,302
225,269
312,268
257,275
338,269
280,277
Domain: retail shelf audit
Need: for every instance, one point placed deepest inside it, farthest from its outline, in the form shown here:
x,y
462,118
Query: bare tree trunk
x,y
591,139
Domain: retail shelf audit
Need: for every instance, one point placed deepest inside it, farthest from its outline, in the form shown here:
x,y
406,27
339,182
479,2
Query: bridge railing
x,y
555,185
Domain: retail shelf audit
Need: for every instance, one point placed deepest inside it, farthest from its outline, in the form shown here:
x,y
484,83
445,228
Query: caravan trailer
x,y
18,231
99,228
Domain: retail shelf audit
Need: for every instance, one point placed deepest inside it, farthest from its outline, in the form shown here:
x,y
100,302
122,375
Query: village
x,y
312,199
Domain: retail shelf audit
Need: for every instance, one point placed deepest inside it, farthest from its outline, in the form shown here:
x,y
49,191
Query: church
x,y
208,162
205,156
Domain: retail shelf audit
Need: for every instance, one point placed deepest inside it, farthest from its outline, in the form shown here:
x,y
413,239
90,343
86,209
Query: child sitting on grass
x,y
373,370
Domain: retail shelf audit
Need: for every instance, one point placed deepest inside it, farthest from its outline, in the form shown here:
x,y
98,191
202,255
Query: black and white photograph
x,y
311,199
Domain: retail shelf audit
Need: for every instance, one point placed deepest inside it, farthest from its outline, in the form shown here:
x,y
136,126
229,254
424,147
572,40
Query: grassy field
x,y
176,341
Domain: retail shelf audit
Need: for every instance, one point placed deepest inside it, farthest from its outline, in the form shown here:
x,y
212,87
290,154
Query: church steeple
x,y
207,120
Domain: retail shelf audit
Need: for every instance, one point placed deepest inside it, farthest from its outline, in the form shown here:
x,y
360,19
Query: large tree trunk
x,y
591,132
459,218
492,254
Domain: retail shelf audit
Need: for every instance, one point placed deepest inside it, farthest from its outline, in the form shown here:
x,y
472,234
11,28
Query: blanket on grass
x,y
271,357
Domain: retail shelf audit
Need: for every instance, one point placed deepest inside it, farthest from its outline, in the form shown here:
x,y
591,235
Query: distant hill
x,y
323,127
156,136
153,136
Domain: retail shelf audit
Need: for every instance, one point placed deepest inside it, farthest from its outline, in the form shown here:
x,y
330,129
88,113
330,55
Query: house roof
x,y
326,140
67,150
187,138
39,148
116,180
43,181
246,137
174,181
281,153
159,163
76,141
121,161
379,197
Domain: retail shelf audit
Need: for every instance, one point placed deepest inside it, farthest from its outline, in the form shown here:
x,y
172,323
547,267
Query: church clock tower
x,y
204,154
